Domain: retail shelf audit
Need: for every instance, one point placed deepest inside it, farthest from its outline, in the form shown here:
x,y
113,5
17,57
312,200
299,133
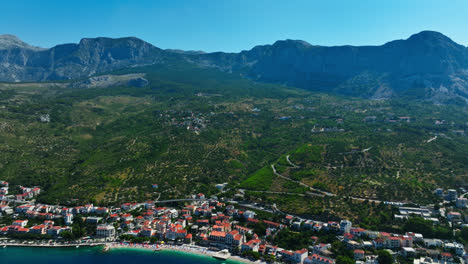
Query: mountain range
x,y
427,65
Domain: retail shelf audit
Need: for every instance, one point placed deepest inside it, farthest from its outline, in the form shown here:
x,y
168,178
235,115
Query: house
x,y
55,231
188,239
271,224
105,231
39,229
22,230
234,238
359,254
4,191
126,217
454,216
393,242
101,210
147,232
358,231
378,243
68,219
149,205
318,248
348,237
455,247
407,252
93,220
300,255
318,259
432,242
203,222
249,214
243,230
288,219
251,245
200,196
406,241
297,256
20,223
446,257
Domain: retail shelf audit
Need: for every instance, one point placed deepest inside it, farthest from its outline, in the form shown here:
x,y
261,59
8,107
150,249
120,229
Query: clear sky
x,y
232,25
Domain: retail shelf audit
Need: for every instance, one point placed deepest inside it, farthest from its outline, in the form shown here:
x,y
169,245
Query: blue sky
x,y
232,25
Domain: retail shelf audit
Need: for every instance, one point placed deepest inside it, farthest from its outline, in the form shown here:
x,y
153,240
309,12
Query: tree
x,y
67,235
384,257
344,260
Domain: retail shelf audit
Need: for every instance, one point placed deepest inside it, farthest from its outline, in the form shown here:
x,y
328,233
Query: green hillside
x,y
192,128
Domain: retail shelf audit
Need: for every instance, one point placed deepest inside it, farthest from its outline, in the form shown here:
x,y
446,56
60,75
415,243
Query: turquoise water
x,y
17,255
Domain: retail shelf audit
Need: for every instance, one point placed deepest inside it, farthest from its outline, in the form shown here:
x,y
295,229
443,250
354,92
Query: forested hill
x,y
188,128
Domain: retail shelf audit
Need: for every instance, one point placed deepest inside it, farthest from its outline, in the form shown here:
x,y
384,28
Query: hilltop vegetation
x,y
191,128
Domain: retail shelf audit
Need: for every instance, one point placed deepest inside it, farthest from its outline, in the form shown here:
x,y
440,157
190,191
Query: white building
x,y
345,226
249,214
105,231
68,219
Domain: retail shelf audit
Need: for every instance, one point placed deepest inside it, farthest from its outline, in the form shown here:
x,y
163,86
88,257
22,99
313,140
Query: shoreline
x,y
51,246
196,250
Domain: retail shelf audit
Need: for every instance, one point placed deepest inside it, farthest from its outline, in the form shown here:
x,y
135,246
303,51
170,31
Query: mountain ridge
x,y
427,65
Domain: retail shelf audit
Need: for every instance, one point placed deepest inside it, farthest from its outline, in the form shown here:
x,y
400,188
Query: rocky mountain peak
x,y
8,41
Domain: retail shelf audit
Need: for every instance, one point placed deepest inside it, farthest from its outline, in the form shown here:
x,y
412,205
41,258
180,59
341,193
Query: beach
x,y
189,249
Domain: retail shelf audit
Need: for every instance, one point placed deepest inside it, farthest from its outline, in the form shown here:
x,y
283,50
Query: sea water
x,y
30,255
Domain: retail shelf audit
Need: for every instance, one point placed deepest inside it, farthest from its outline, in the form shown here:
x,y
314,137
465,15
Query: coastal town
x,y
224,229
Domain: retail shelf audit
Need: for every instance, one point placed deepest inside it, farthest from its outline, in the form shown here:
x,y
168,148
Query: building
x,y
452,195
318,259
251,245
218,236
454,216
68,219
300,255
461,202
20,223
393,242
359,254
188,239
249,214
105,231
345,226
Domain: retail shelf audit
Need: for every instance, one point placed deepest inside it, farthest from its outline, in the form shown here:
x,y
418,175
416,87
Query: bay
x,y
21,255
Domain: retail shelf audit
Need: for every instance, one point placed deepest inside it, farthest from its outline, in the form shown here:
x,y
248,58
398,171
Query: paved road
x,y
289,193
324,193
292,164
301,183
177,200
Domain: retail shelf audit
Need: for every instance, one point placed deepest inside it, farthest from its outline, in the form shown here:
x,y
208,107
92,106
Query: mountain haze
x,y
427,65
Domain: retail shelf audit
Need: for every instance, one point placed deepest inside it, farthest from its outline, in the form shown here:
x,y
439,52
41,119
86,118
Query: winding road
x,y
301,183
